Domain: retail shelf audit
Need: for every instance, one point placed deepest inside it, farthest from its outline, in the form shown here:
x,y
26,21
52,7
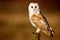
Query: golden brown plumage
x,y
38,20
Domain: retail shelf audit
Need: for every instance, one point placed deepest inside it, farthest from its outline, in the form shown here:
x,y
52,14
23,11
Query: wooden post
x,y
35,36
38,36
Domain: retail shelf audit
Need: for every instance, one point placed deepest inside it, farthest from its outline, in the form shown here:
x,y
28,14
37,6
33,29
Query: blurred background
x,y
14,19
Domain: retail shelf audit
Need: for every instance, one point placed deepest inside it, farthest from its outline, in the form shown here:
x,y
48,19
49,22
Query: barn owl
x,y
38,20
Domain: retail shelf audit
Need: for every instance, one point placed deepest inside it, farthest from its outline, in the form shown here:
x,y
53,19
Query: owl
x,y
38,20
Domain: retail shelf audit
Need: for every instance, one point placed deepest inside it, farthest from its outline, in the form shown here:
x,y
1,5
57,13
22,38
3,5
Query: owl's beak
x,y
33,9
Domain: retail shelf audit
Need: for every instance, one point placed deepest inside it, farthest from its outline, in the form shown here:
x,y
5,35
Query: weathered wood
x,y
35,36
38,36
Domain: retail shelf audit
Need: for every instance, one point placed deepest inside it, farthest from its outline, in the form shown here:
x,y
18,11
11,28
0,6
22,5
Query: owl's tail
x,y
51,32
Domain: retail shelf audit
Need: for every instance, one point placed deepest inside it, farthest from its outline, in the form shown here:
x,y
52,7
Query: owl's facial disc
x,y
33,8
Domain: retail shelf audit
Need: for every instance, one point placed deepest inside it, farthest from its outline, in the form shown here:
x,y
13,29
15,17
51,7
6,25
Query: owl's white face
x,y
33,8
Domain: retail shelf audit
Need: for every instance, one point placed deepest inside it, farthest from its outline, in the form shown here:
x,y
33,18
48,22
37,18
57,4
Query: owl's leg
x,y
38,30
50,28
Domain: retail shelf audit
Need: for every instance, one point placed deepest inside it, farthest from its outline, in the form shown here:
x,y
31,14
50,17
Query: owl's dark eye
x,y
35,6
31,6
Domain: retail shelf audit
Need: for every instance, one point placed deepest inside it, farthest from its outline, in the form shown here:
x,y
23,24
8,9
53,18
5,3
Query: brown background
x,y
15,24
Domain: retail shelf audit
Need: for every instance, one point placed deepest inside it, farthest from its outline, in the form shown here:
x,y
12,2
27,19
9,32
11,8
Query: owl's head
x,y
33,8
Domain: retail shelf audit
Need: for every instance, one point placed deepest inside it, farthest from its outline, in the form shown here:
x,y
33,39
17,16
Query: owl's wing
x,y
42,20
45,23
